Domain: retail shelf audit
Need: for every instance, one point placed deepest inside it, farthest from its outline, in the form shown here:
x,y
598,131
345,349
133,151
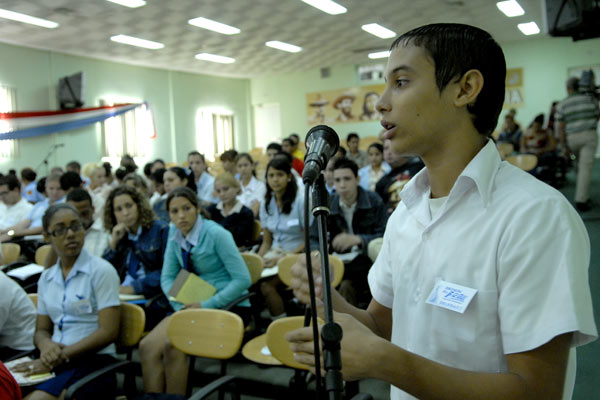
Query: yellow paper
x,y
195,290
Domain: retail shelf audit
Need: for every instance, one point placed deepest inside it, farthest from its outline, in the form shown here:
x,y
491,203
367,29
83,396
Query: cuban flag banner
x,y
19,125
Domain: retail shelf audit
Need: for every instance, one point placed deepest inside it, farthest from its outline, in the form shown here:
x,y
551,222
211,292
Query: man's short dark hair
x,y
288,140
28,174
159,160
78,194
228,155
157,176
120,173
351,136
41,185
196,153
274,146
456,49
11,180
344,162
295,137
342,150
148,169
70,180
74,165
107,168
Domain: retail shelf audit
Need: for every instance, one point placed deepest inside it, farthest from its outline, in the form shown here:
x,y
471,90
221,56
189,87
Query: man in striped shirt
x,y
577,117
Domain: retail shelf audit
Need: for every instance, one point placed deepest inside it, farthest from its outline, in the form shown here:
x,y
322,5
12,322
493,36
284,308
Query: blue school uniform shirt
x,y
214,257
73,303
286,229
31,194
38,210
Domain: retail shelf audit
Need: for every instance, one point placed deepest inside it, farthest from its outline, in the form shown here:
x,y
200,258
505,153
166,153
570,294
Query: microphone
x,y
322,143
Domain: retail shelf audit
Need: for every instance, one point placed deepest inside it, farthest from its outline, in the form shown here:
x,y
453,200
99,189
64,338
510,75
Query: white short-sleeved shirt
x,y
286,228
12,215
254,190
514,239
205,186
17,316
73,304
96,239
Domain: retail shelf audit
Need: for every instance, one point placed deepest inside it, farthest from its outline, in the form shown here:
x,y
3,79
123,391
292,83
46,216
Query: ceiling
x,y
86,26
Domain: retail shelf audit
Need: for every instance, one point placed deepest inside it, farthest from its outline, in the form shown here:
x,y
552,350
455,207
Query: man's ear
x,y
470,85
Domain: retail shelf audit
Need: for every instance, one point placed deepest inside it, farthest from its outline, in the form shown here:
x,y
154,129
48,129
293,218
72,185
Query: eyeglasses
x,y
62,230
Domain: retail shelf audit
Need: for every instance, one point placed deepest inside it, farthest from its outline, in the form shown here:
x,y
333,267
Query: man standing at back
x,y
577,117
481,289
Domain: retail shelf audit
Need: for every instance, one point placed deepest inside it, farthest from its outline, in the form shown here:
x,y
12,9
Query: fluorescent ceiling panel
x,y
129,3
215,58
379,31
213,26
510,8
529,28
379,54
276,44
328,6
27,19
133,41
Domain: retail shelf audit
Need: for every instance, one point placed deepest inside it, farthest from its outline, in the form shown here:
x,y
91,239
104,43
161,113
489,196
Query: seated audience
x,y
136,248
282,220
253,190
228,160
354,153
377,168
173,178
29,186
32,224
273,149
136,181
230,212
296,151
540,142
75,335
208,250
158,164
287,146
75,166
328,175
17,318
357,217
203,181
511,133
16,207
70,180
157,187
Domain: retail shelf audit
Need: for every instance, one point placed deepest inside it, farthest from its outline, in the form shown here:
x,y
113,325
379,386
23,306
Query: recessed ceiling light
x,y
379,31
529,28
215,58
15,16
129,3
328,6
510,8
379,54
214,26
133,41
276,44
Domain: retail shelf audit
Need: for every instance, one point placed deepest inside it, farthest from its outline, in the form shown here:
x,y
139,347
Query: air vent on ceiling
x,y
325,72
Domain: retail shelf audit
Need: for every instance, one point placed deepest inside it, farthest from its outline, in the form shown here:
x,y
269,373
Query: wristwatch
x,y
11,233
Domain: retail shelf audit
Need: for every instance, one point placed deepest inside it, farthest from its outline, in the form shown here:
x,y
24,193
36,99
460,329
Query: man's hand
x,y
300,278
344,242
356,343
52,355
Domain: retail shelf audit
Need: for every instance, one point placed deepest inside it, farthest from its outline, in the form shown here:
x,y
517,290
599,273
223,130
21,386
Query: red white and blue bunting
x,y
19,125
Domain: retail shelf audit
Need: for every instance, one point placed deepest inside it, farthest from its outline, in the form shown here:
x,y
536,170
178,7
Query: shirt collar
x,y
82,264
235,209
137,234
480,172
192,236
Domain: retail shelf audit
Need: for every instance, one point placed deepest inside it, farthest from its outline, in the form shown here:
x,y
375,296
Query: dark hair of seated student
x,y
230,212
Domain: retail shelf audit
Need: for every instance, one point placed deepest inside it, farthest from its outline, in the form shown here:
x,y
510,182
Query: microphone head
x,y
321,143
325,133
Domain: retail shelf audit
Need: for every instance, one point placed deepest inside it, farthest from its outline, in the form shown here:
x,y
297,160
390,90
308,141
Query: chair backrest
x,y
207,333
526,162
256,230
255,265
131,325
33,297
278,346
286,263
11,252
505,149
41,253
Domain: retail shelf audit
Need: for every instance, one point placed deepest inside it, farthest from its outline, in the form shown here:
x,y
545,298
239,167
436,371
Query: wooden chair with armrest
x,y
42,253
131,327
208,333
527,162
11,252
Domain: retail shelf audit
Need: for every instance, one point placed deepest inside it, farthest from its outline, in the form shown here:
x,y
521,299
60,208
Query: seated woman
x,y
371,174
173,178
78,312
537,140
136,248
282,220
208,250
230,212
253,190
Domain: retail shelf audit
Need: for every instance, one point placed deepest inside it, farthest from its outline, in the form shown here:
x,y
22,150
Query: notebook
x,y
190,288
23,380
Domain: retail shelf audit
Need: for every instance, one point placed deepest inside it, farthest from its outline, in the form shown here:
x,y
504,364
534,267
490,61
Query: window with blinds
x,y
128,133
8,103
214,132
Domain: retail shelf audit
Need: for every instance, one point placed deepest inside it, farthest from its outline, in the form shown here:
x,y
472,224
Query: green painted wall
x,y
173,97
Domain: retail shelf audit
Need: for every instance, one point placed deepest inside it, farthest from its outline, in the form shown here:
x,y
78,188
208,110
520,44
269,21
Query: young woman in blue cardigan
x,y
208,250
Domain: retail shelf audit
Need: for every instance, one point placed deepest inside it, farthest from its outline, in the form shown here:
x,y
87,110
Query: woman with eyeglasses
x,y
136,248
78,312
208,250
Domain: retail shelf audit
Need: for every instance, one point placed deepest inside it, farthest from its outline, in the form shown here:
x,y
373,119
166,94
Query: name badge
x,y
82,306
451,296
293,222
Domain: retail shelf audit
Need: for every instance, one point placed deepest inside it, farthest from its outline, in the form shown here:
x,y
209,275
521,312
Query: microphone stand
x,y
45,160
331,333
